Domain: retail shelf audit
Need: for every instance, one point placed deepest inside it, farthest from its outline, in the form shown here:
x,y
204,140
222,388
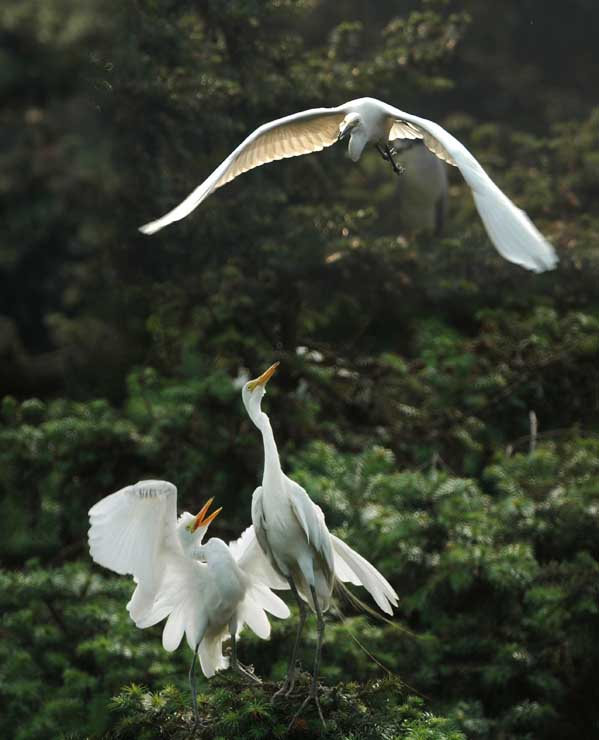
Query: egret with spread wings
x,y
364,121
292,532
205,591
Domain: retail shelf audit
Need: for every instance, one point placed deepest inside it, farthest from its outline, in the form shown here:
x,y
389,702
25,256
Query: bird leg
x,y
192,684
313,695
289,682
382,152
390,155
235,664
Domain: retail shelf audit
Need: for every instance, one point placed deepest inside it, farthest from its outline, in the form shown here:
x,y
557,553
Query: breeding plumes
x,y
370,121
292,532
206,592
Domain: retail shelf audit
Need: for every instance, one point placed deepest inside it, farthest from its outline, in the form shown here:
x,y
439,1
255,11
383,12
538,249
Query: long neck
x,y
272,463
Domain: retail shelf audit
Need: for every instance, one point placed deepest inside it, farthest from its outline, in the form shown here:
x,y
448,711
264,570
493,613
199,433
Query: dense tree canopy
x,y
410,364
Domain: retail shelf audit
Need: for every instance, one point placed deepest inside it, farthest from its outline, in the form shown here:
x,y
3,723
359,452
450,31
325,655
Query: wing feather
x,y
258,600
185,595
291,136
133,528
404,130
252,560
513,234
259,521
268,600
312,521
172,634
351,567
252,614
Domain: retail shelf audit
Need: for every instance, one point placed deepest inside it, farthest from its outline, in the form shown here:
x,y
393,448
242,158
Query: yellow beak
x,y
199,521
264,378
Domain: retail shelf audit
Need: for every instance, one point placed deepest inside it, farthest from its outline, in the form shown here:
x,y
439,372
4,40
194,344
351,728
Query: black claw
x,y
390,153
382,152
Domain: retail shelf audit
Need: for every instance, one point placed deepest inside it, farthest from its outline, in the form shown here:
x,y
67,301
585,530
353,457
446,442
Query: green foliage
x,y
67,646
498,579
231,709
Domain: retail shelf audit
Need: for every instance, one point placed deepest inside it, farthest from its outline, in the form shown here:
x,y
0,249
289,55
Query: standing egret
x,y
370,121
207,592
292,532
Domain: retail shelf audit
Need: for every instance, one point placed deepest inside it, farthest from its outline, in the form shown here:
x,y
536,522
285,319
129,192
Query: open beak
x,y
200,521
264,378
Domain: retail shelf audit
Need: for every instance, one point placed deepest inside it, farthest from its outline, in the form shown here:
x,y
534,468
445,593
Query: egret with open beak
x,y
206,592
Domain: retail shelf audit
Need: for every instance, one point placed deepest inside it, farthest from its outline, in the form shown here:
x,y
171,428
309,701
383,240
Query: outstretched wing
x,y
252,560
291,136
514,235
351,567
133,528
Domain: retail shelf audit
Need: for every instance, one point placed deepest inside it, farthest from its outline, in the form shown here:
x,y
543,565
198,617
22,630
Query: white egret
x,y
364,121
292,532
207,592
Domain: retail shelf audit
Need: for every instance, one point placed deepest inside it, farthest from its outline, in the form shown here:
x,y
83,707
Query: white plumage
x,y
205,592
367,120
292,532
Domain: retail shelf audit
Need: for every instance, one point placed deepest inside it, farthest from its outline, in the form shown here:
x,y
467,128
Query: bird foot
x,y
196,722
384,154
288,684
388,154
397,168
246,673
283,691
312,696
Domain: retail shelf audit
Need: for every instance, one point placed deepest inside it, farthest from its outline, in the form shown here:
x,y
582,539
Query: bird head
x,y
348,124
254,390
353,126
193,528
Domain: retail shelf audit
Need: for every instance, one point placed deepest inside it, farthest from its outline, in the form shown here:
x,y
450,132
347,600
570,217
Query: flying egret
x,y
291,531
206,591
364,121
